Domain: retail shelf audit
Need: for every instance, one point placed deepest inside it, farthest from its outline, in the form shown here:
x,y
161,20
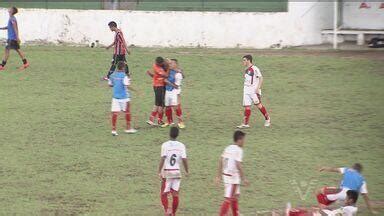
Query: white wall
x,y
301,25
364,18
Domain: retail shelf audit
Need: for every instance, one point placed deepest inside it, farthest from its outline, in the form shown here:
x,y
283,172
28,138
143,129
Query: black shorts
x,y
12,44
117,58
159,95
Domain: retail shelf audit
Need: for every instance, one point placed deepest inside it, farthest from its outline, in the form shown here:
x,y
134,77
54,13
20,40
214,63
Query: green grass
x,y
57,156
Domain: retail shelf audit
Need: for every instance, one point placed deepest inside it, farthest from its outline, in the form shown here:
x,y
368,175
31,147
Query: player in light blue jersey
x,y
173,83
352,180
13,41
120,83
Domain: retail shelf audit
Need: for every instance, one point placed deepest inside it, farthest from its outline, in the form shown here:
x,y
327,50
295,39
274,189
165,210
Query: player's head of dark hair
x,y
120,65
358,167
159,60
175,60
248,57
112,24
238,137
174,132
14,10
352,196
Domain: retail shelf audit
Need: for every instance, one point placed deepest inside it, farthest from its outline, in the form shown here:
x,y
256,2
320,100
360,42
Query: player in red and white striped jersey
x,y
120,48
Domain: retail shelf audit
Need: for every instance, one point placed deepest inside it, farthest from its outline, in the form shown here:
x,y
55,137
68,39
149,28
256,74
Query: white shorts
x,y
342,195
119,104
230,190
170,98
171,184
249,99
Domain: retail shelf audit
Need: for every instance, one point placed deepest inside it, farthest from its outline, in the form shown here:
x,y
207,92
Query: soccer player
x,y
158,74
231,171
173,153
120,82
349,208
253,81
352,180
120,48
173,84
179,111
13,41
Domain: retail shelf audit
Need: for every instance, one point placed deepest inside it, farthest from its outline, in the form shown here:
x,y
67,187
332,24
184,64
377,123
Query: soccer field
x,y
58,157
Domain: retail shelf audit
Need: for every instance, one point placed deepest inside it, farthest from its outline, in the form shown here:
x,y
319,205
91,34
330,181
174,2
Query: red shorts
x,y
322,197
298,212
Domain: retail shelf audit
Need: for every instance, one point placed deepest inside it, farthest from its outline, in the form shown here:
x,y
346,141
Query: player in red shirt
x,y
158,74
120,48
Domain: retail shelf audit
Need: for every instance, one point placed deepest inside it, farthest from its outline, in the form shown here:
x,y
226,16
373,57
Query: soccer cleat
x,y
165,125
130,131
114,133
181,125
151,123
267,122
2,67
105,78
243,126
24,66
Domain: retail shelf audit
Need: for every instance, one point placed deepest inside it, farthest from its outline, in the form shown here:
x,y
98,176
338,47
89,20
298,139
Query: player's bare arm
x,y
185,164
219,171
161,164
109,46
329,169
241,172
126,47
260,84
368,203
14,24
172,84
130,88
150,73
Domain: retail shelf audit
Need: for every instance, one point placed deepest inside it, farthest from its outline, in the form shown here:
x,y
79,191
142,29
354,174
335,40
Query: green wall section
x,y
163,5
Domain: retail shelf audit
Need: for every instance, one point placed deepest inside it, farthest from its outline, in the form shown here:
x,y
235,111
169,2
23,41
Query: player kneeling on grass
x,y
252,92
13,41
349,208
171,94
173,153
120,82
231,172
352,180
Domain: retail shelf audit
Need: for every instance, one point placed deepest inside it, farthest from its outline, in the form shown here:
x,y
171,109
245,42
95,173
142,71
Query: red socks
x,y
225,207
153,115
235,207
179,112
128,120
264,112
160,117
114,120
168,113
164,196
175,203
247,114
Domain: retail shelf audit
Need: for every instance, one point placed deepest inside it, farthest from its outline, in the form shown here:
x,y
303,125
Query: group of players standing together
x,y
167,78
